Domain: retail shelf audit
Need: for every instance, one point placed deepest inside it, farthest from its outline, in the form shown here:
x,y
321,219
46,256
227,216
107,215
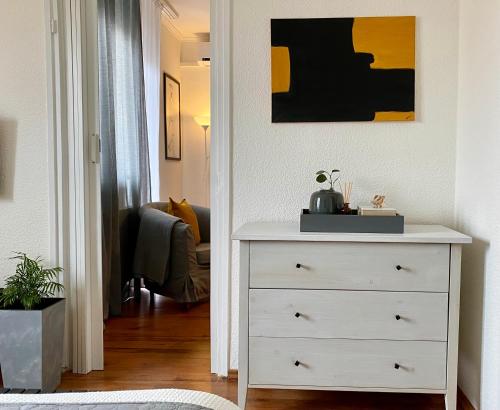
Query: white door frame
x,y
221,186
74,176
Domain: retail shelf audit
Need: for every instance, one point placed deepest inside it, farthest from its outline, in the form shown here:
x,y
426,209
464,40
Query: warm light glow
x,y
203,121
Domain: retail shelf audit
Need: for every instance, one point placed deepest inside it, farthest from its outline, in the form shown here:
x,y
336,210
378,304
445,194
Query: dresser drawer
x,y
348,314
351,266
347,363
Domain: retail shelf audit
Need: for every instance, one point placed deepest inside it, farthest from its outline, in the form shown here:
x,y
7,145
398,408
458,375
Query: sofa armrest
x,y
203,215
183,250
154,244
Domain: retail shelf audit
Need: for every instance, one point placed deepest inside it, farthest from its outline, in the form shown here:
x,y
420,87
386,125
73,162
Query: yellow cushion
x,y
184,211
169,209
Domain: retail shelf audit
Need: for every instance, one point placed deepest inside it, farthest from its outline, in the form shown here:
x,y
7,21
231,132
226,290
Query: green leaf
x,y
31,282
321,178
320,172
335,170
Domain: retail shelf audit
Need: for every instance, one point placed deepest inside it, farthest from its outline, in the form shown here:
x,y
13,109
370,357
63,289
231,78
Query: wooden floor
x,y
164,347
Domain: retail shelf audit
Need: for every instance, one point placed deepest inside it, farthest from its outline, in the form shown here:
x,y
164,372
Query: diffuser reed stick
x,y
347,192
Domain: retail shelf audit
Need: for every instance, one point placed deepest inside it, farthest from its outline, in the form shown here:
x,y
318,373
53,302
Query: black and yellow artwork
x,y
343,69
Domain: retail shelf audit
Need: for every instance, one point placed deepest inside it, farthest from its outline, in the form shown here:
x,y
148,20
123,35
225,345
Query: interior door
x,y
93,176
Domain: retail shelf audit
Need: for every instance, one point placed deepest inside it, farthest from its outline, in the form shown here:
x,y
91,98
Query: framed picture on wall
x,y
172,117
343,69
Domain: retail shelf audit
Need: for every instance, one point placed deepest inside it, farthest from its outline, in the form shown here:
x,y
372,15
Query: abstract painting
x,y
172,101
343,69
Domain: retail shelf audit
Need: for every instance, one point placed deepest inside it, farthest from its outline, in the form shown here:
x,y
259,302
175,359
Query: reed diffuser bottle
x,y
346,209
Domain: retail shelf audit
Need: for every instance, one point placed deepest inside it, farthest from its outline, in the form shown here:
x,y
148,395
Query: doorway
x,y
84,340
154,110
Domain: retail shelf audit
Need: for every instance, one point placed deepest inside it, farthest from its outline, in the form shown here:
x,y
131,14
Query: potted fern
x,y
31,327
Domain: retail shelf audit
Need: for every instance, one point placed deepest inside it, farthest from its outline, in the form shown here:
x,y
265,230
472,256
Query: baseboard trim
x,y
463,402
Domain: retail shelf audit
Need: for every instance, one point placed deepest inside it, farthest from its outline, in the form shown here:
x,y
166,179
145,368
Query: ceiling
x,y
194,17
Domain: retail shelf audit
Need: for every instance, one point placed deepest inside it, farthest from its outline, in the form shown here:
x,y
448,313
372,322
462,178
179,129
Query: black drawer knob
x,y
297,315
396,366
398,317
298,266
399,267
297,363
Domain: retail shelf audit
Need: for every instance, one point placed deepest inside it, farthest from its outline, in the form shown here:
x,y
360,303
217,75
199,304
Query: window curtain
x,y
125,176
151,30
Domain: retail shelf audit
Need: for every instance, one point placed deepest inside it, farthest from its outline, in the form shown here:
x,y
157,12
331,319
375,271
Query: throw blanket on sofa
x,y
152,254
171,399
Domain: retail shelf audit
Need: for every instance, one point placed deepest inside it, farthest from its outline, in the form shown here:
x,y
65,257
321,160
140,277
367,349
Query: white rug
x,y
168,399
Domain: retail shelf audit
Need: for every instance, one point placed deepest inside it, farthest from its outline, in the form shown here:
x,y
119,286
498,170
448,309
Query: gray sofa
x,y
167,257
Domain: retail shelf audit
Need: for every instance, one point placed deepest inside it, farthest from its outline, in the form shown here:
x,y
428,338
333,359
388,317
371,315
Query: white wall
x,y
188,178
195,101
24,208
477,198
274,164
170,171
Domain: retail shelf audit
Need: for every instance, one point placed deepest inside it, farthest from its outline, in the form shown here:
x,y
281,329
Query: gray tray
x,y
351,223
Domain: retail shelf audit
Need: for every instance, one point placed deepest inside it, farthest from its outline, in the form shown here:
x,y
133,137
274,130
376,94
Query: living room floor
x,y
163,346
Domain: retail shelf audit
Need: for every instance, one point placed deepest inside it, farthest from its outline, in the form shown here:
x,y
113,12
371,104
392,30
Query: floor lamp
x,y
204,122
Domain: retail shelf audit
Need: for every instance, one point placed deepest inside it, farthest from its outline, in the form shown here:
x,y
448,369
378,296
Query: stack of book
x,y
370,211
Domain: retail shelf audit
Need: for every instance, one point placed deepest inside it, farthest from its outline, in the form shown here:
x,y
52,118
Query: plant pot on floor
x,y
31,346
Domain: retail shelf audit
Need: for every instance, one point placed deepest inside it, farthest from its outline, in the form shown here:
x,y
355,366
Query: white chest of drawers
x,y
362,312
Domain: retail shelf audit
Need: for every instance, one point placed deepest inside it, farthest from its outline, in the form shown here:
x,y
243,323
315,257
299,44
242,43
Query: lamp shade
x,y
203,121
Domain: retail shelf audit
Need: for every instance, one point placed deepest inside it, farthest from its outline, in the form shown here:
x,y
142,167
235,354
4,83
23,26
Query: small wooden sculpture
x,y
378,201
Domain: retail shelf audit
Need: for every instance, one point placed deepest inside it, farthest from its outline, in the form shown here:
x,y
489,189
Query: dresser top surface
x,y
290,231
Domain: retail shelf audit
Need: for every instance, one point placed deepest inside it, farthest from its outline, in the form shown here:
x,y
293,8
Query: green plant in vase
x,y
31,326
31,283
326,201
